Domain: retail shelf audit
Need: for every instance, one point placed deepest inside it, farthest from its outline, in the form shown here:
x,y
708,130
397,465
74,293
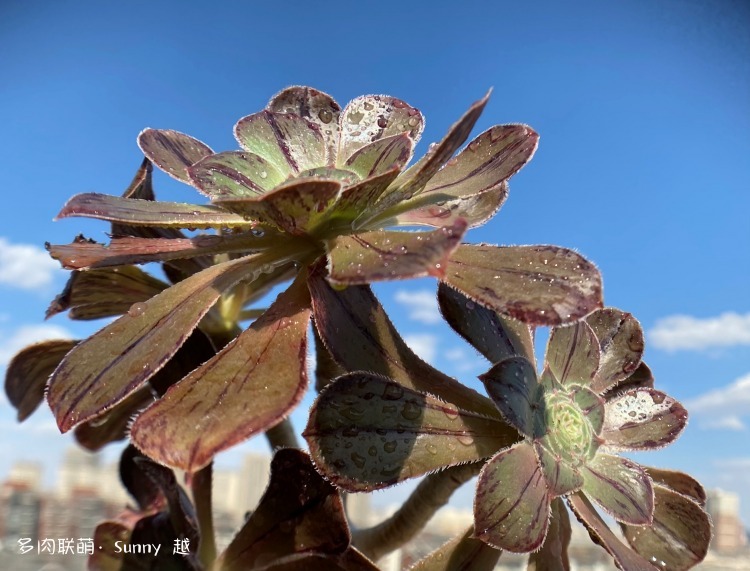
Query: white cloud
x,y
464,361
423,344
25,266
723,408
421,305
14,341
684,332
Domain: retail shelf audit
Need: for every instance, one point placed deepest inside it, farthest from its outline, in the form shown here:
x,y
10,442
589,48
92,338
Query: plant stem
x,y
432,493
201,487
282,435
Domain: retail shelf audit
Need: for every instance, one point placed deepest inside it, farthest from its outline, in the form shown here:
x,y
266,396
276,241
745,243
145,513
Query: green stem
x,y
282,435
432,493
200,485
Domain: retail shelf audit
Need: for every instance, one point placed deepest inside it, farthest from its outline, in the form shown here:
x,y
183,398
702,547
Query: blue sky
x,y
642,109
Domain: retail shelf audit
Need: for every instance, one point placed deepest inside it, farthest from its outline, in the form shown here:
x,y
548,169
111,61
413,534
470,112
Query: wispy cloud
x,y
423,344
687,333
464,361
14,341
723,408
421,305
25,266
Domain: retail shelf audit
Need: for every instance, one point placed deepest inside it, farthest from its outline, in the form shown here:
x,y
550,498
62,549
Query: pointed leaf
x,y
625,558
680,535
540,285
28,372
642,419
248,387
561,477
295,207
299,513
101,371
679,482
493,157
149,213
367,432
326,367
172,152
383,255
494,336
621,487
573,354
289,142
512,384
461,553
316,107
141,187
641,378
512,505
553,556
381,156
358,198
234,174
359,335
621,341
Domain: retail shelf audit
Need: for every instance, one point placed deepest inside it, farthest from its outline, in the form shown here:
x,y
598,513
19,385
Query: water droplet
x,y
382,122
325,115
258,232
470,305
413,122
372,451
411,410
451,412
465,439
393,392
263,174
356,117
432,449
358,460
137,309
390,446
207,241
368,106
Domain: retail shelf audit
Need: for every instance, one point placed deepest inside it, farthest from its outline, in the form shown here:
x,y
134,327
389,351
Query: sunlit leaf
x,y
642,419
561,476
171,151
641,378
101,371
621,487
299,513
28,372
592,406
540,285
494,336
380,156
148,213
248,387
141,187
512,504
461,553
434,210
234,174
385,255
368,432
679,482
357,198
573,354
621,340
553,555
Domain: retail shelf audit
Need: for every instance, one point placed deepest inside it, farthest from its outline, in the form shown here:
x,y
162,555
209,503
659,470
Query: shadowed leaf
x,y
428,210
641,378
512,504
104,369
384,255
148,213
326,367
28,372
573,354
358,198
642,419
381,156
350,560
299,513
148,495
462,553
113,425
494,336
141,187
171,151
248,387
625,558
621,340
513,386
553,556
679,482
367,432
621,487
680,535
540,285
359,335
108,555
234,174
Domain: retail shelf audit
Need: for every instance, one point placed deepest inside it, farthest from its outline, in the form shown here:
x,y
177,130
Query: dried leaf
x,y
461,553
573,354
621,340
171,151
621,487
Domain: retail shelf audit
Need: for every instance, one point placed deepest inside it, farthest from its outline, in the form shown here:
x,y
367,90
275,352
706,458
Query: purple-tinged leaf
x,y
461,553
141,187
326,367
299,513
553,555
679,482
642,419
289,142
359,335
248,387
494,336
296,207
679,536
102,370
573,354
104,293
113,425
316,107
491,158
350,560
512,504
621,342
625,558
28,372
539,285
147,494
172,151
621,487
367,432
385,255
380,156
371,118
148,213
358,198
641,378
109,537
234,174
561,476
513,386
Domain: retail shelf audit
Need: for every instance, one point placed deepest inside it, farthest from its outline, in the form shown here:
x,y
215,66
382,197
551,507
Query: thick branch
x,y
201,487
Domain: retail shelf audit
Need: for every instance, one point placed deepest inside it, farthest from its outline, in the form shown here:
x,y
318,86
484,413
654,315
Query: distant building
x,y
256,468
724,509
